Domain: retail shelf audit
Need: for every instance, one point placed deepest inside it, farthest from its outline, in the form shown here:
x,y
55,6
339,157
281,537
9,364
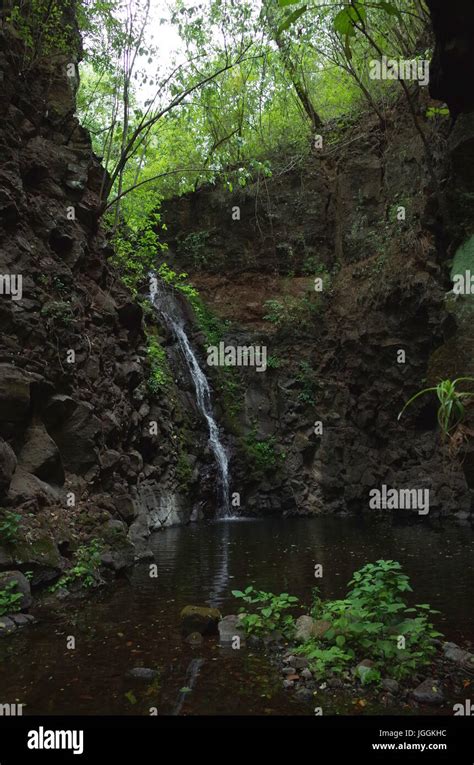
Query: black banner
x,y
93,739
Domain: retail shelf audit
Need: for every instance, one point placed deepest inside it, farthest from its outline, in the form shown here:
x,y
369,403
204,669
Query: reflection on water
x,y
136,622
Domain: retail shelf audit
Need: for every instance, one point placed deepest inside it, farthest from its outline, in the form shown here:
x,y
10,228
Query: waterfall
x,y
163,302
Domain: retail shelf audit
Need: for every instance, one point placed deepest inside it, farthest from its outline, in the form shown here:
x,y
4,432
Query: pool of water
x,y
135,622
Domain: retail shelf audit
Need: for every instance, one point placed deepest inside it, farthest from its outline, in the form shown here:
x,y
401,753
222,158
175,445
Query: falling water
x,y
167,307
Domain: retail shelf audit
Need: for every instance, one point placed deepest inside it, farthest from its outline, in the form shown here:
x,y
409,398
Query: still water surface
x,y
135,622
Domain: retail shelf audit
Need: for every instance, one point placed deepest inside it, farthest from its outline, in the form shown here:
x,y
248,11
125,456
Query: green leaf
x,y
287,23
238,594
340,640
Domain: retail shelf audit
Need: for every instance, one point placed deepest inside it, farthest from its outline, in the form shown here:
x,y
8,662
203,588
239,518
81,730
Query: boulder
x,y
40,456
229,628
22,586
26,486
7,466
428,692
320,627
76,439
200,619
304,628
7,626
40,556
14,394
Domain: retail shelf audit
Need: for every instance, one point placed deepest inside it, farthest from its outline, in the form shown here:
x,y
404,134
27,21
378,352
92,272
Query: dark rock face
x,y
75,409
452,66
342,368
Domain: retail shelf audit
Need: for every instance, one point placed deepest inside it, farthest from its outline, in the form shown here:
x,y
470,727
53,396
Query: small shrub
x,y
86,568
268,612
9,526
262,452
159,375
9,600
451,411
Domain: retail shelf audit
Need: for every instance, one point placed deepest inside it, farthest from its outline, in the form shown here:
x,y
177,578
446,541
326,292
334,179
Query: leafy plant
x,y
159,375
307,380
9,525
268,612
262,452
9,600
451,411
86,568
370,621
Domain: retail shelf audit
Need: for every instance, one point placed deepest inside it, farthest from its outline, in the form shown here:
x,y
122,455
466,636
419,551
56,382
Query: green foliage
x,y
137,251
308,383
291,312
159,375
368,624
9,526
273,362
58,313
45,27
212,327
194,247
451,411
86,568
267,612
262,452
184,471
10,600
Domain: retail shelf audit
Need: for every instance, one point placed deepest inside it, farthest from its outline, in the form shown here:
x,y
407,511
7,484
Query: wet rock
x,y
200,619
7,626
288,671
306,674
304,694
7,466
300,662
22,620
21,585
194,639
391,686
229,628
142,673
454,653
428,692
288,684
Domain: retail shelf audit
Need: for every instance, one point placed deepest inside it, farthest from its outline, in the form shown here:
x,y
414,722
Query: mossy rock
x,y
199,619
